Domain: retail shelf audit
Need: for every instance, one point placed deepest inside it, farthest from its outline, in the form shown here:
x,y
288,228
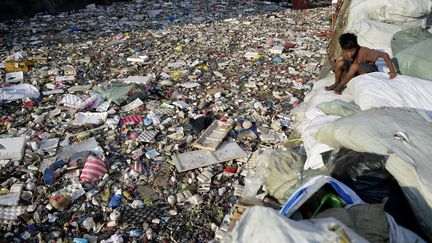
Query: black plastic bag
x,y
365,173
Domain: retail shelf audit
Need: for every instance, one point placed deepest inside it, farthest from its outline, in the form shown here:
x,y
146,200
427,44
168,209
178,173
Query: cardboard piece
x,y
190,85
90,118
49,144
139,79
64,78
104,106
133,105
14,77
251,55
52,92
277,50
141,59
12,148
213,135
200,158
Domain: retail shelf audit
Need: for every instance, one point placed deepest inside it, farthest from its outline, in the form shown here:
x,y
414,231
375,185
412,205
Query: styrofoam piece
x,y
35,42
51,92
12,148
251,84
48,144
200,158
205,177
277,50
196,199
104,106
203,187
64,78
190,85
151,154
133,105
259,118
180,197
16,188
14,77
139,79
163,111
154,12
177,64
194,159
90,118
181,104
138,59
218,74
250,55
273,137
79,88
187,194
213,135
75,190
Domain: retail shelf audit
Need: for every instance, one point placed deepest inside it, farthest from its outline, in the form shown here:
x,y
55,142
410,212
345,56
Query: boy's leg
x,y
338,75
350,74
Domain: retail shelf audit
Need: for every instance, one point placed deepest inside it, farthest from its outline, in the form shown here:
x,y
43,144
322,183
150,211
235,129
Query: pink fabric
x,y
94,168
138,167
130,120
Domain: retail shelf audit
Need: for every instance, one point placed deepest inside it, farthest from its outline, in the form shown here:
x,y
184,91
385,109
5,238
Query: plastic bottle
x,y
116,199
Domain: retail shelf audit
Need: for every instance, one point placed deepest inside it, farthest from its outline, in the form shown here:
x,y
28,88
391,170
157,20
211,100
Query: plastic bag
x,y
17,92
365,173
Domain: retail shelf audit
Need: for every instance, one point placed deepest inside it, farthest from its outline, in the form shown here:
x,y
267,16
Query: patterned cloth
x,y
140,215
138,167
94,168
147,136
130,120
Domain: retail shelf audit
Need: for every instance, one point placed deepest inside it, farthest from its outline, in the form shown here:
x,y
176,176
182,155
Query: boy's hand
x,y
392,75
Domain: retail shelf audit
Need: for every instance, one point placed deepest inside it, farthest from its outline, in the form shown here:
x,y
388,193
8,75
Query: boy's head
x,y
348,43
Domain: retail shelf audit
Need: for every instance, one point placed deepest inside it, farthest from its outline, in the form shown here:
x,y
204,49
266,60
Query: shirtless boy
x,y
356,60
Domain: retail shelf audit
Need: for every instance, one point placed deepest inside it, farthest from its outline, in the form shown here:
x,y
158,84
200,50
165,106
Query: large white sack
x,y
311,118
313,147
262,224
375,22
300,112
405,135
320,96
377,90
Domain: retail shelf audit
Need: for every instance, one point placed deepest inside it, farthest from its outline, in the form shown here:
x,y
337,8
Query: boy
x,y
356,60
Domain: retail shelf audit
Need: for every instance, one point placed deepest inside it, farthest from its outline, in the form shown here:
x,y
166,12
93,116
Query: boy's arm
x,y
377,54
